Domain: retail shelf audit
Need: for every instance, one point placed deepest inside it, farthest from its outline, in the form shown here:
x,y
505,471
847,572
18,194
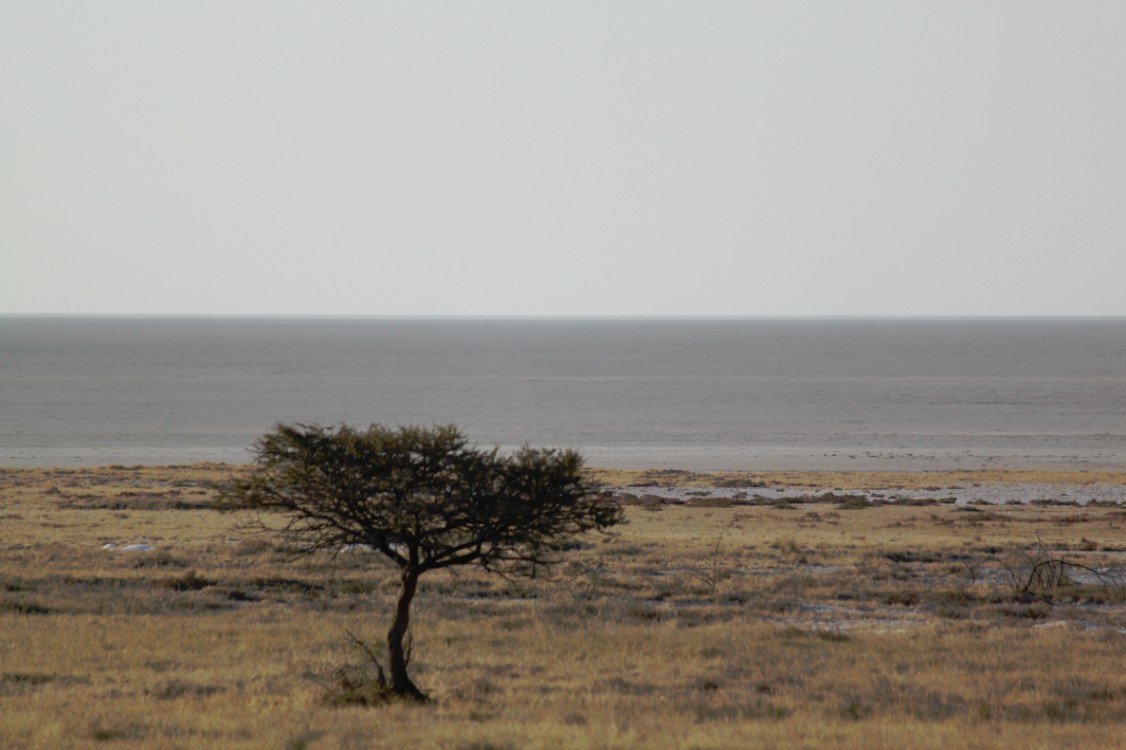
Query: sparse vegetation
x,y
894,626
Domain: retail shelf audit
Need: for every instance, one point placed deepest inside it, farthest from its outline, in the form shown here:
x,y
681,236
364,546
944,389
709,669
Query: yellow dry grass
x,y
813,624
856,480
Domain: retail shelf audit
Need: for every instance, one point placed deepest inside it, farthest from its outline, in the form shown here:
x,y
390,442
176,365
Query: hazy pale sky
x,y
563,158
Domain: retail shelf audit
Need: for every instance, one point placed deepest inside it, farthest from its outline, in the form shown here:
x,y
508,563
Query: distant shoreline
x,y
714,488
702,459
548,318
839,479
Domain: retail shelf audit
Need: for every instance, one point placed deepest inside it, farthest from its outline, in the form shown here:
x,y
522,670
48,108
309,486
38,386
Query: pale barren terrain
x,y
732,610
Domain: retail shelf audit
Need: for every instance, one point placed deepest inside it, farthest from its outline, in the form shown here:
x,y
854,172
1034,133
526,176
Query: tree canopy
x,y
423,497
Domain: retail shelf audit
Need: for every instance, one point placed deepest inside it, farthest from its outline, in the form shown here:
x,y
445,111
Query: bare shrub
x,y
1040,572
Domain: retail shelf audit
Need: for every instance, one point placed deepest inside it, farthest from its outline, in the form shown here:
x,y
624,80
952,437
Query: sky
x,y
577,158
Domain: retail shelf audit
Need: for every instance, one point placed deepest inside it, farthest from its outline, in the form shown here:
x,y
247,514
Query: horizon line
x,y
556,317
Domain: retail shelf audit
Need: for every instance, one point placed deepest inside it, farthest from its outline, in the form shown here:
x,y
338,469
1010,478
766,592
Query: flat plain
x,y
731,610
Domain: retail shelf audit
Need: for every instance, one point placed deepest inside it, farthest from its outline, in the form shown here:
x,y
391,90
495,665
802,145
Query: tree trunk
x,y
401,684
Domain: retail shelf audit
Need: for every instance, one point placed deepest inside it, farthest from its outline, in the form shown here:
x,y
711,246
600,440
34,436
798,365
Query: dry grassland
x,y
855,480
800,622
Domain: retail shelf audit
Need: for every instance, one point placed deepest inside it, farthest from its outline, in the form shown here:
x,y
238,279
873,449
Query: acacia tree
x,y
424,498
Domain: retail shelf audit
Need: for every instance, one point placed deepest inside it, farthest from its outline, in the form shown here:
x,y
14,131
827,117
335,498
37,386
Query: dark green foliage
x,y
424,498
